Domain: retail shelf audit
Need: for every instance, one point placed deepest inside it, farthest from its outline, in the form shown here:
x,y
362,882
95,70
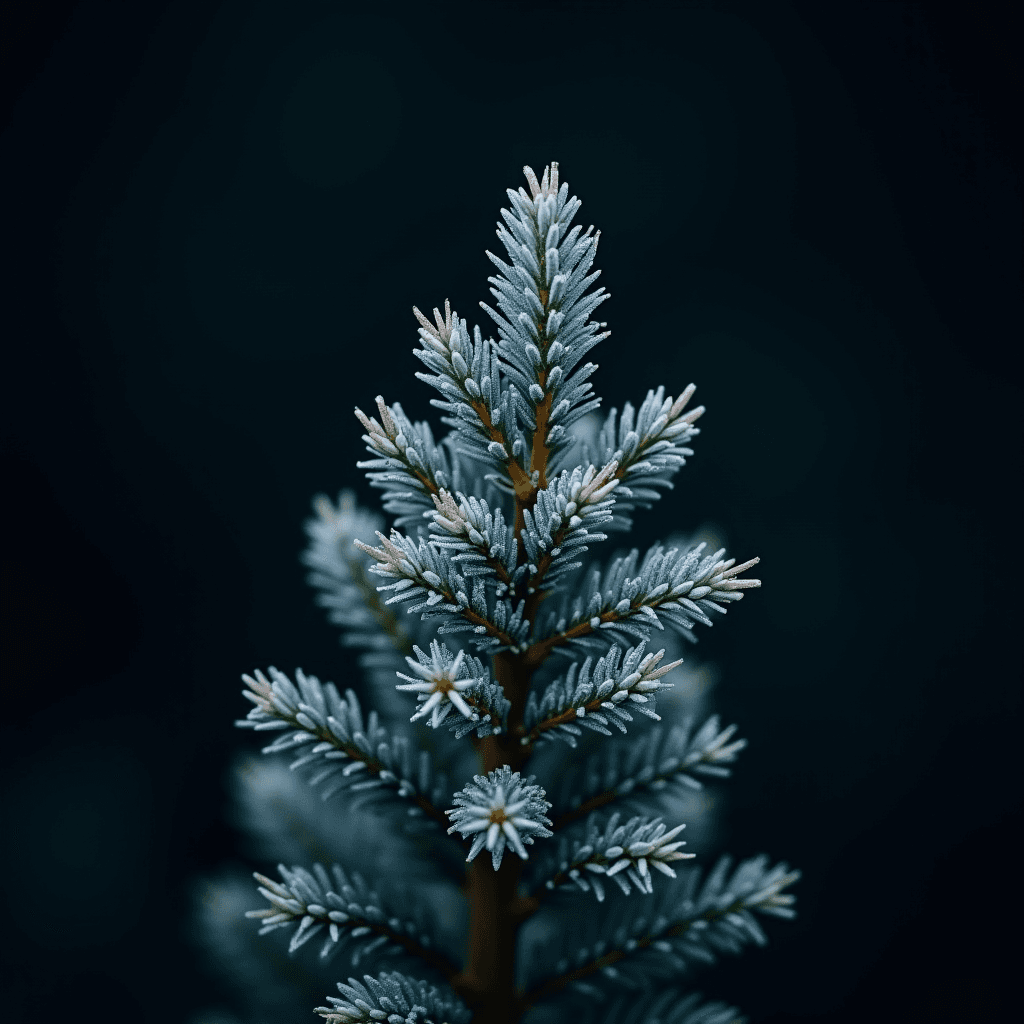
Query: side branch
x,y
466,372
417,569
579,502
538,652
345,589
351,913
384,616
675,587
477,536
318,715
673,758
651,445
596,696
375,769
669,430
555,985
718,918
387,440
624,853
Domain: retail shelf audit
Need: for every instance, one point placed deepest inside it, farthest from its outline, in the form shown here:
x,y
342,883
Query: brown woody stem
x,y
538,652
539,451
487,983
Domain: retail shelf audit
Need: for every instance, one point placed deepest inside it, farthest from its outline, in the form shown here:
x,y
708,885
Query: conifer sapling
x,y
540,878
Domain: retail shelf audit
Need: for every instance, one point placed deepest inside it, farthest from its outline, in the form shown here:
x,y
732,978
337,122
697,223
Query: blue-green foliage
x,y
491,543
394,998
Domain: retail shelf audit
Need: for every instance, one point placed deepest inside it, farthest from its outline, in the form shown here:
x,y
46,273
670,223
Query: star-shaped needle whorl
x,y
440,681
498,809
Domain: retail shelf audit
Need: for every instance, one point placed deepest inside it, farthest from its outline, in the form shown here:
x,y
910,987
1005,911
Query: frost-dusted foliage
x,y
443,682
557,528
347,908
347,752
545,305
674,588
492,558
392,998
408,466
625,853
671,1007
481,542
650,444
498,810
598,695
647,771
695,921
340,573
423,574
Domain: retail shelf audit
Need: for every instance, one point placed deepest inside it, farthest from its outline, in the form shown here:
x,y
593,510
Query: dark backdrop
x,y
216,218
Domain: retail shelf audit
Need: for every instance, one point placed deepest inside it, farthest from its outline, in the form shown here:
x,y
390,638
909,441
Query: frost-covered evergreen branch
x,y
396,999
339,572
554,532
671,1007
423,570
692,925
596,696
624,853
349,754
649,445
674,587
443,681
632,771
409,466
481,413
544,320
349,909
558,528
482,543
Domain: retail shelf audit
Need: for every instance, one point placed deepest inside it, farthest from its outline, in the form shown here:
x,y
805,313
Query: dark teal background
x,y
216,218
